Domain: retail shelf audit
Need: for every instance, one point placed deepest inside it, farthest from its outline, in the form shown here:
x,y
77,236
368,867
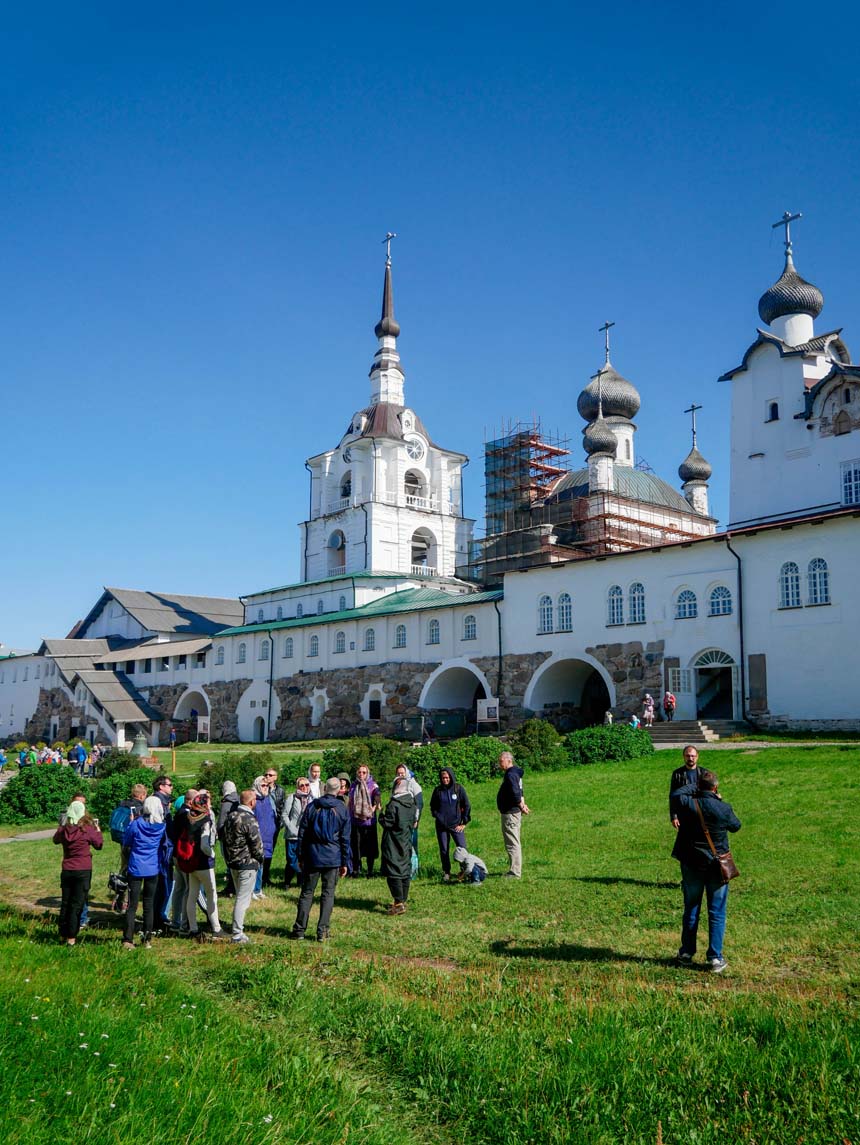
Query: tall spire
x,y
387,325
386,372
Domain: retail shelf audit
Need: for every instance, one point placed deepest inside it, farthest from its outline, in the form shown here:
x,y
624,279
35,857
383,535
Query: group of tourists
x,y
330,828
82,758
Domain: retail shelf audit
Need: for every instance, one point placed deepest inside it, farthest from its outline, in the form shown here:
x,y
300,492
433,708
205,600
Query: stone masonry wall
x,y
517,671
224,699
53,704
634,670
164,698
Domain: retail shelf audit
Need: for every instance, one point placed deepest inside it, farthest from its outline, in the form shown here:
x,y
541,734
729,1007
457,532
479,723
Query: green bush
x,y
116,762
537,746
380,755
473,759
109,792
39,793
608,744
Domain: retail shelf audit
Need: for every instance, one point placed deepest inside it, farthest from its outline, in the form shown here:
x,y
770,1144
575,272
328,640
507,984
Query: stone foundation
x,y
764,721
634,669
517,671
53,704
224,698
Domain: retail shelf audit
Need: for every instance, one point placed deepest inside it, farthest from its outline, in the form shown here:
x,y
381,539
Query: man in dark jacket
x,y
512,806
686,776
243,853
323,850
700,872
451,811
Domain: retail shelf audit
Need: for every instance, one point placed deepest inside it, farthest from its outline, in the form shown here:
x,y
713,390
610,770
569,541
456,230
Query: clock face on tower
x,y
415,448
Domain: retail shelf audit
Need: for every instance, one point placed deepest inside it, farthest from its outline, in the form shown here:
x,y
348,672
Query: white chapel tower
x,y
387,499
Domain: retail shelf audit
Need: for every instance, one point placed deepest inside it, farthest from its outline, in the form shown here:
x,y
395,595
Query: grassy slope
x,y
545,1011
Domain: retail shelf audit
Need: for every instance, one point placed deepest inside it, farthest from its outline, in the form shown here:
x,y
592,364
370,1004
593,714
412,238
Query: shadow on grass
x,y
573,952
614,880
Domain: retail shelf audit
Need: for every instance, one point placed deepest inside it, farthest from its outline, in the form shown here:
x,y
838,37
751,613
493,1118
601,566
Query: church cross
x,y
604,330
692,411
787,219
387,240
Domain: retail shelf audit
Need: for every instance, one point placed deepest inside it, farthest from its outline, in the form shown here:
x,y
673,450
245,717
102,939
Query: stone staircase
x,y
696,731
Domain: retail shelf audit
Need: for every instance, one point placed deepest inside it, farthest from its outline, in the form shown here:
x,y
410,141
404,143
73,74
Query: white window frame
x,y
289,648
636,603
434,631
369,640
299,611
789,586
242,653
614,606
720,601
470,627
320,607
680,680
314,646
265,650
817,582
340,641
686,605
219,656
544,614
400,636
851,482
564,613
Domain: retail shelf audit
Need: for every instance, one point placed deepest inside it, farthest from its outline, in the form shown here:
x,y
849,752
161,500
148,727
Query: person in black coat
x,y
686,776
700,871
451,811
322,852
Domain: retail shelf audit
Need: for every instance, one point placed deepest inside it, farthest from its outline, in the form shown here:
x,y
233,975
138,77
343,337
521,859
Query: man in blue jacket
x,y
700,872
322,850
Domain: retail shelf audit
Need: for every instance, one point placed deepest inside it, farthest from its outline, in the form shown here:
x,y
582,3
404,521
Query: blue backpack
x,y
119,820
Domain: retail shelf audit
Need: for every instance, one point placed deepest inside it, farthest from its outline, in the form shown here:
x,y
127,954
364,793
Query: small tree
x,y
39,793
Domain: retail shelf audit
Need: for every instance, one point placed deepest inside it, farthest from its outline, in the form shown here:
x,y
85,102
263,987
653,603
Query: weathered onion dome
x,y
599,438
791,294
694,467
620,397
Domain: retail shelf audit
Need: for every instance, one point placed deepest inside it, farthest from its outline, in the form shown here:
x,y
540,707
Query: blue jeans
x,y
694,885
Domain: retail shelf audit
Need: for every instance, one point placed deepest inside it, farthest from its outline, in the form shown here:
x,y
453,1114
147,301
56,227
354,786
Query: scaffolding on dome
x,y
524,529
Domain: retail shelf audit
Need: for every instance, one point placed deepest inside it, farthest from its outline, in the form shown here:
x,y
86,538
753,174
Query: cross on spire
x,y
692,410
387,240
787,219
604,330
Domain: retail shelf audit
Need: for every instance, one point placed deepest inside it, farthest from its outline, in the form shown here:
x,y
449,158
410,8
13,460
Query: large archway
x,y
717,690
572,692
191,704
454,686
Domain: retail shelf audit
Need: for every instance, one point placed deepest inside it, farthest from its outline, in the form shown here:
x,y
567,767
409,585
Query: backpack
x,y
185,857
119,820
324,826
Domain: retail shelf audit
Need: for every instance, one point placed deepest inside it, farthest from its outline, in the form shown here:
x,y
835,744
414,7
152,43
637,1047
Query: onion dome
x,y
694,467
620,397
791,294
599,438
387,324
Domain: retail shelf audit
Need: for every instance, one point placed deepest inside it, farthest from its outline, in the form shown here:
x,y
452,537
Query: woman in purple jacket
x,y
77,835
144,842
264,813
364,803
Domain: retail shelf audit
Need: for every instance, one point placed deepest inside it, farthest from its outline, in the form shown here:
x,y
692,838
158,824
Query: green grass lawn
x,y
544,1011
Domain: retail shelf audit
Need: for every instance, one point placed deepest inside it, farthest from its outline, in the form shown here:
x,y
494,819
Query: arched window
x,y
720,602
615,605
842,424
686,606
320,608
346,484
341,604
433,632
369,640
219,655
299,612
314,646
242,654
564,616
280,612
545,614
789,585
259,616
773,411
288,648
470,627
636,603
340,642
400,636
264,650
817,582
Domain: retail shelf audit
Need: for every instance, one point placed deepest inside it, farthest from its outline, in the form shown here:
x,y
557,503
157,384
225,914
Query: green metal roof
x,y
409,600
327,580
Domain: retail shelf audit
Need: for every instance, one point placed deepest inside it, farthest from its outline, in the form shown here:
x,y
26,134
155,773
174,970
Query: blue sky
x,y
193,199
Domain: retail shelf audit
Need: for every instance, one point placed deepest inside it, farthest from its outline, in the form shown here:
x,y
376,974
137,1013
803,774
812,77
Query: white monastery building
x,y
593,585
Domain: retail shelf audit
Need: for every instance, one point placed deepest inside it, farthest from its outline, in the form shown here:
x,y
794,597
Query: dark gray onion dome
x,y
620,397
694,467
791,294
387,324
599,438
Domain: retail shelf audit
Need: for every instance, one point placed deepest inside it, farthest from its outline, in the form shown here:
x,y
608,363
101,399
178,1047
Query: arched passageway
x,y
572,693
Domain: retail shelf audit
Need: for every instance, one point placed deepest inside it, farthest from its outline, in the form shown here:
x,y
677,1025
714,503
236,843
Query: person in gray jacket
x,y
291,815
243,852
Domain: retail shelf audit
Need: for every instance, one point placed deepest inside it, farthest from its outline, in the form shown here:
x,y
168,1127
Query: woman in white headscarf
x,y
144,840
77,834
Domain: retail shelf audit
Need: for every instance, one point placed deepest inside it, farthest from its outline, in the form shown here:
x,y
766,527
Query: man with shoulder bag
x,y
702,849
